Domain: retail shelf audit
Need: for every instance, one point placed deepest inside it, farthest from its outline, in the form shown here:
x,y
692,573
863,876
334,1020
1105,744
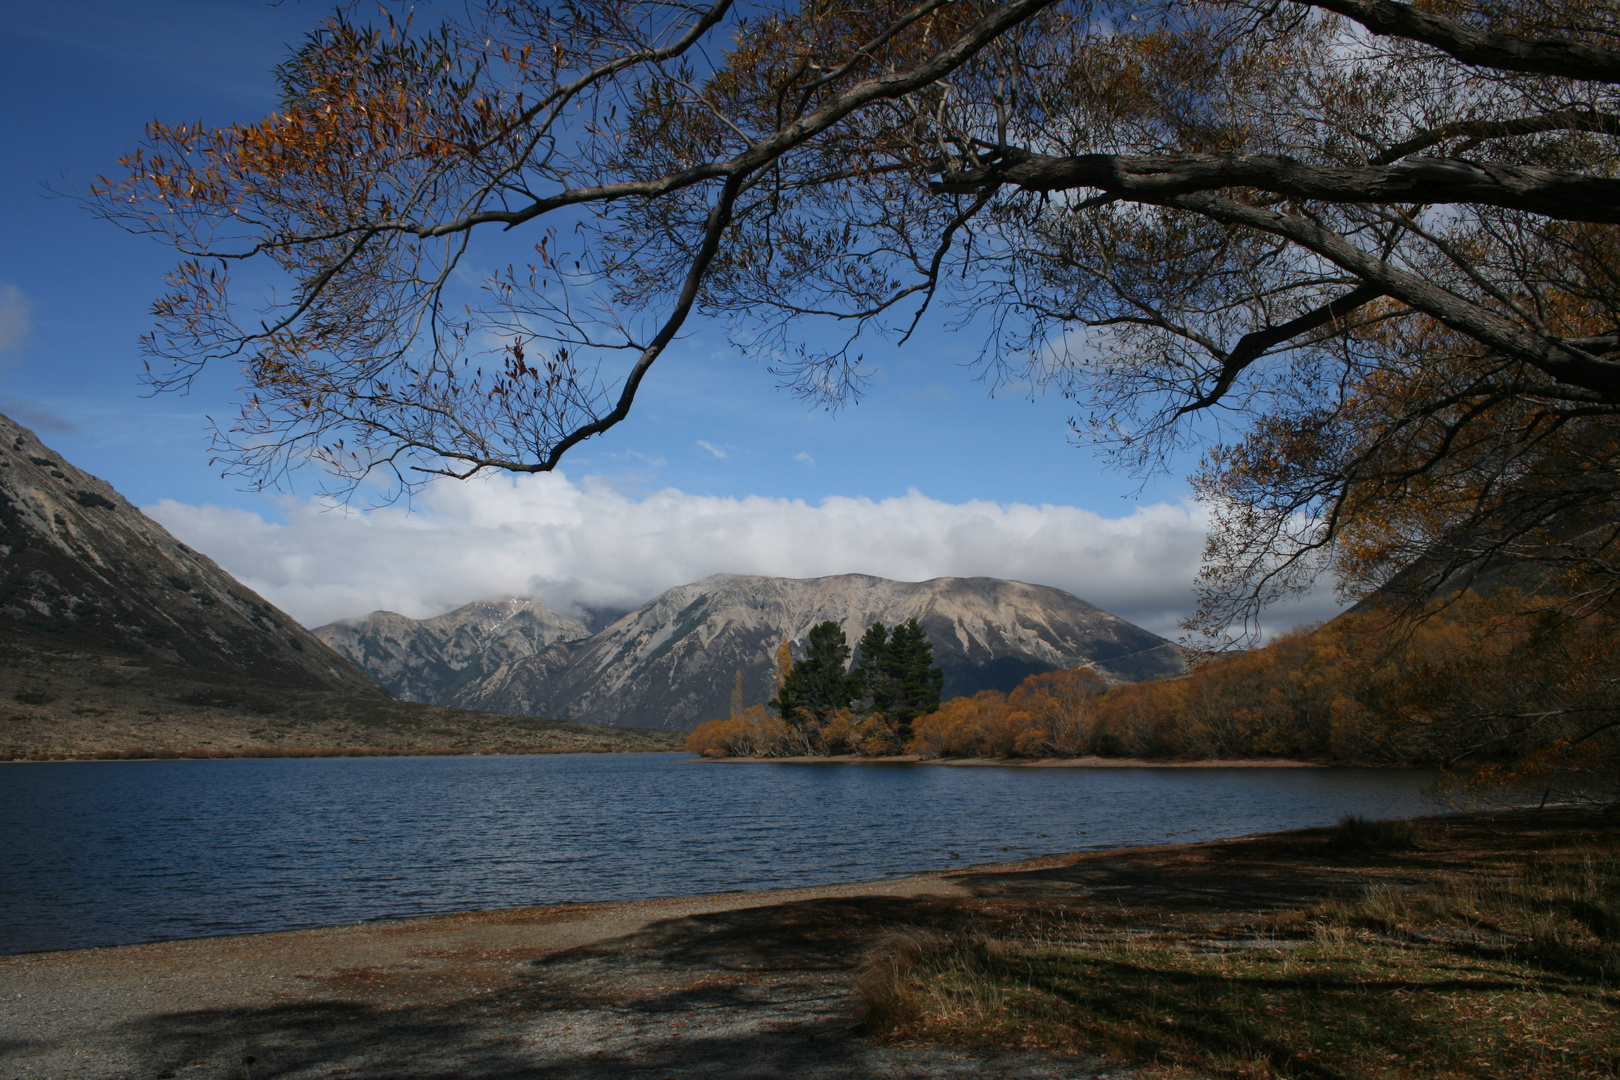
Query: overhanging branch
x,y
1552,193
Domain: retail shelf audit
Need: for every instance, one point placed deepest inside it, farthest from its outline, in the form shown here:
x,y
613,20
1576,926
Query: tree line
x,y
1491,688
824,704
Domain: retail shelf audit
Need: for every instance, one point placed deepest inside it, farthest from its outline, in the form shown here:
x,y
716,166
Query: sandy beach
x,y
752,985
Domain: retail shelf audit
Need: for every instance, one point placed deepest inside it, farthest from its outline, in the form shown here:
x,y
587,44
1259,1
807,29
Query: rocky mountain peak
x,y
432,660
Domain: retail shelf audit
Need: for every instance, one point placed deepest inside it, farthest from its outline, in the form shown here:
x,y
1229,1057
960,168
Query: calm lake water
x,y
108,853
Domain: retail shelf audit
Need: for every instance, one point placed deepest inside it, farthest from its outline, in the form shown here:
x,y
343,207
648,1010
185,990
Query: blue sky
x,y
82,77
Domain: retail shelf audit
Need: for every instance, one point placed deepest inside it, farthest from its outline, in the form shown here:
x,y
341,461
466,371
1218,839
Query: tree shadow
x,y
1157,1014
752,993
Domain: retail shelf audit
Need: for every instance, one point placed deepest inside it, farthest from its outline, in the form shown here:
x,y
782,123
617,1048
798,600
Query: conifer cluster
x,y
892,682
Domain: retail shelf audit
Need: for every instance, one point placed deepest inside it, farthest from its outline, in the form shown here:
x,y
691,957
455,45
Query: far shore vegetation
x,y
1490,688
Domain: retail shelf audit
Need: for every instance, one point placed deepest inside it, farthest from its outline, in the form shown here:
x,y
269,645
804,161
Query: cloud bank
x,y
589,544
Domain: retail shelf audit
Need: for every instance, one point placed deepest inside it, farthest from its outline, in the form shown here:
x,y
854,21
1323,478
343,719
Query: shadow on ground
x,y
760,992
756,993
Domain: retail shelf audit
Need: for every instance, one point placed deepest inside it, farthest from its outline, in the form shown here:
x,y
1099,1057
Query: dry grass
x,y
1507,971
59,702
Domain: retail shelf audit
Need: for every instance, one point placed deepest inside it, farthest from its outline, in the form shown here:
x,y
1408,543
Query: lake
x,y
109,853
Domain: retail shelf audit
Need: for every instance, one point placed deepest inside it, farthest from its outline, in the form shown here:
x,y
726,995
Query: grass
x,y
1468,974
1356,833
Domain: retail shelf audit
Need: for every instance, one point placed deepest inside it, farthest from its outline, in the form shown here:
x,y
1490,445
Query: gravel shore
x,y
751,986
741,985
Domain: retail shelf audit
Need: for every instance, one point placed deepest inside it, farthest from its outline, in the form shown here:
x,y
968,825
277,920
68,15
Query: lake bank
x,y
759,984
63,702
272,752
1034,763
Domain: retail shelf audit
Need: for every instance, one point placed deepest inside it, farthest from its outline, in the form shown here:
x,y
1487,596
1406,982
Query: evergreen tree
x,y
819,685
920,682
897,676
879,681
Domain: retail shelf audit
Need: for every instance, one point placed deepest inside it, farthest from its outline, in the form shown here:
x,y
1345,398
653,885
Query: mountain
x,y
81,565
118,640
672,662
59,699
436,660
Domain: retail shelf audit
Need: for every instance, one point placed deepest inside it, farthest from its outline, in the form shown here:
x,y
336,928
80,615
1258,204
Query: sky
x,y
716,471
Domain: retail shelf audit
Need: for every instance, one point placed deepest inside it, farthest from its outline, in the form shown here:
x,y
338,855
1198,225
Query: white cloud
x,y
711,448
804,456
15,309
589,543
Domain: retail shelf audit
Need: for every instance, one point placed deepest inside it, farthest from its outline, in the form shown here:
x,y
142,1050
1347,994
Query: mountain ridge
x,y
118,640
673,661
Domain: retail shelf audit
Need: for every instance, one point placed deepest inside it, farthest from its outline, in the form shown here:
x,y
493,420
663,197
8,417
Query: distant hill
x,y
439,660
114,636
672,662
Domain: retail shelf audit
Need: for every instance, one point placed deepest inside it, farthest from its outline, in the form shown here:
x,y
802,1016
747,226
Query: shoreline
x,y
302,753
917,883
1045,763
275,753
743,983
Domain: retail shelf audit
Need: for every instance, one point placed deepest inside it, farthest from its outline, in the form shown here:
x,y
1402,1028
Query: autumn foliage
x,y
753,733
1494,689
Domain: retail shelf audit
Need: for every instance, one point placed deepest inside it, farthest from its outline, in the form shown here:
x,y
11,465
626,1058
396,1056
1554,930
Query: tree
x,y
1056,709
874,667
820,684
896,675
1363,250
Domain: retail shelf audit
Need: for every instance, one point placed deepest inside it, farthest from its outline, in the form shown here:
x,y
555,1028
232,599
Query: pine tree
x,y
896,674
916,682
879,681
820,684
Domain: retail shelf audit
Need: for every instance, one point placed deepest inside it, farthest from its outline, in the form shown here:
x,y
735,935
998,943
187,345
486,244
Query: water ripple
x,y
109,853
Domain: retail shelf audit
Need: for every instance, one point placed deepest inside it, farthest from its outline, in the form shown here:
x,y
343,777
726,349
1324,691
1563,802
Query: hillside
x,y
65,700
116,637
79,565
672,662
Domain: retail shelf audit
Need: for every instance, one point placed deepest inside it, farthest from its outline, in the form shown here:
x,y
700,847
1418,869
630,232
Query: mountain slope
x,y
434,660
61,699
79,564
672,663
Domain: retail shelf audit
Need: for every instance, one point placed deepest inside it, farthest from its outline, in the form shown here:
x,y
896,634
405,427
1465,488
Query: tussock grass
x,y
1507,971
